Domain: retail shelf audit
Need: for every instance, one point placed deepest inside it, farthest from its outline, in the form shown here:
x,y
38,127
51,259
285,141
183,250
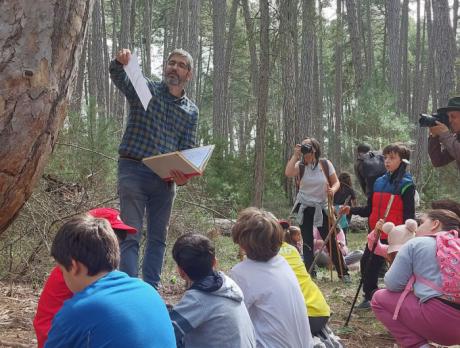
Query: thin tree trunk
x,y
355,41
287,30
445,50
218,104
336,140
262,104
393,15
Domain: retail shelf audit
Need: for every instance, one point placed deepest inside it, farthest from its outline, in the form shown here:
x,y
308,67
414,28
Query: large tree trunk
x,y
41,45
262,104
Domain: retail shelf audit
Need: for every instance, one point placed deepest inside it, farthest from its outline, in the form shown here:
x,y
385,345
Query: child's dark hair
x,y
400,149
345,179
258,233
363,148
448,219
88,240
194,253
448,204
404,154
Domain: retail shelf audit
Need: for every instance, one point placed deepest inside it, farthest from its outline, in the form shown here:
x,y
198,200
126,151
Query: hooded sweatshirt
x,y
212,314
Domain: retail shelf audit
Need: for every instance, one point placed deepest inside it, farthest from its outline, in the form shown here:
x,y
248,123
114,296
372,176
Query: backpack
x,y
370,166
448,257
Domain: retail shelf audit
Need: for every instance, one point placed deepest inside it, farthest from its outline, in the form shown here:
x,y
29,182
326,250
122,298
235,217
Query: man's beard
x,y
173,80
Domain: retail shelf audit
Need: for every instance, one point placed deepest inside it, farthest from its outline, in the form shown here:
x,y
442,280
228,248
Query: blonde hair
x,y
258,233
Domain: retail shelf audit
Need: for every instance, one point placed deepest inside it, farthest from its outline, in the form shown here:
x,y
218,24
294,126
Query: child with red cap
x,y
55,291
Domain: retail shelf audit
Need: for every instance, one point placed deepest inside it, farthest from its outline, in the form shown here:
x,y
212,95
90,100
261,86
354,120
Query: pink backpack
x,y
448,256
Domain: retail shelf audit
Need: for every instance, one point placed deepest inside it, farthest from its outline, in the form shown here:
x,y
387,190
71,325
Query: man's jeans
x,y
141,192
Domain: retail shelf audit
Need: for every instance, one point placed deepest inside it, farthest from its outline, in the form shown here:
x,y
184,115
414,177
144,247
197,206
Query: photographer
x,y
317,180
444,143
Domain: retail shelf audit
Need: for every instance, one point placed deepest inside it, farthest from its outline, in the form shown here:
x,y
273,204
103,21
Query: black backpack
x,y
369,167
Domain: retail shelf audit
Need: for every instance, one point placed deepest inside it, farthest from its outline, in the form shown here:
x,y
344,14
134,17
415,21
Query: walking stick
x,y
374,245
328,237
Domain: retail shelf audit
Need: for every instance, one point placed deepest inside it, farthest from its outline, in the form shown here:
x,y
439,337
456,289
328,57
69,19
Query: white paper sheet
x,y
133,70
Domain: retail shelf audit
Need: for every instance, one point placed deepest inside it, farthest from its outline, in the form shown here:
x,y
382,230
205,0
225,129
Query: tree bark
x,y
287,28
262,104
355,41
445,50
41,46
393,16
218,37
336,140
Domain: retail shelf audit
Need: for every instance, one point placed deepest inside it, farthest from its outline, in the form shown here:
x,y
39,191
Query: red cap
x,y
113,216
284,224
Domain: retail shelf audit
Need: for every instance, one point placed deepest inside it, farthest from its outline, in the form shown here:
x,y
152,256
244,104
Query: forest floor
x,y
18,303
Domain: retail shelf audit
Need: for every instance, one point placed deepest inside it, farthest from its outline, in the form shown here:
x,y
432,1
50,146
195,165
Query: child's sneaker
x,y
366,304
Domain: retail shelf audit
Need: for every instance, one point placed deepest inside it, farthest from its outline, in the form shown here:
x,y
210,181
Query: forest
x,y
266,75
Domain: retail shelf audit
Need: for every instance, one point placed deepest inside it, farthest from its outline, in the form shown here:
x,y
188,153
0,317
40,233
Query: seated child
x,y
55,291
109,308
212,312
428,312
271,292
292,235
324,260
317,307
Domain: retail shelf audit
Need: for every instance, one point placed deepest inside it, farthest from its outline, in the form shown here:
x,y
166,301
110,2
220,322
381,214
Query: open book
x,y
191,162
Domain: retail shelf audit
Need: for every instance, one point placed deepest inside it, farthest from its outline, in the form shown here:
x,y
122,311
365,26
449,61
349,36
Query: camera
x,y
430,120
306,148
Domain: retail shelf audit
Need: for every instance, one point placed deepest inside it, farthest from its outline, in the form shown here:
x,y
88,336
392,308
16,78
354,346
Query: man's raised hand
x,y
123,56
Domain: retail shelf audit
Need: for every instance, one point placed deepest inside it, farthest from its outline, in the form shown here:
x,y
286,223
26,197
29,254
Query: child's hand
x,y
379,224
380,249
344,209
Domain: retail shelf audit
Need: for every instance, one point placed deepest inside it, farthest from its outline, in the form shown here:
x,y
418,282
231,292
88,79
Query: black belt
x,y
130,158
450,303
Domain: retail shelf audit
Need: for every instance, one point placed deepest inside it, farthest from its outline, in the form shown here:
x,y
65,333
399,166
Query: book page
x,y
138,80
162,165
198,156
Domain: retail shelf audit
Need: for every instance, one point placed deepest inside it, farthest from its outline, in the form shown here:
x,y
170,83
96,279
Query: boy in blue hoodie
x,y
212,312
108,308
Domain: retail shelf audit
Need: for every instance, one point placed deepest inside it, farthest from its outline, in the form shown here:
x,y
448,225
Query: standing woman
x,y
310,205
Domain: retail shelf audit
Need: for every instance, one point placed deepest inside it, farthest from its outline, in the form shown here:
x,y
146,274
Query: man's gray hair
x,y
183,53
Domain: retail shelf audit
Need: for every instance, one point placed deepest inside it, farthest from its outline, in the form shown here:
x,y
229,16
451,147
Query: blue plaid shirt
x,y
168,125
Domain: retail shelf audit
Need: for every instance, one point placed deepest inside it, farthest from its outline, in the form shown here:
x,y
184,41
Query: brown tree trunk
x,y
403,96
41,46
262,105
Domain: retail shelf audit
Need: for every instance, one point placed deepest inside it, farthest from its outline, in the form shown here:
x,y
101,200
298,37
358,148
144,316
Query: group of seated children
x,y
268,299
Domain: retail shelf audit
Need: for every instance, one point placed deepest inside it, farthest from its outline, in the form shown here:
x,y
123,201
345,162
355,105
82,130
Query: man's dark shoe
x,y
366,304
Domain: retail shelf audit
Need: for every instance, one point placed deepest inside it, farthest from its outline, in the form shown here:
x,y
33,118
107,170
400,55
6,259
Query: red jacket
x,y
54,293
383,189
